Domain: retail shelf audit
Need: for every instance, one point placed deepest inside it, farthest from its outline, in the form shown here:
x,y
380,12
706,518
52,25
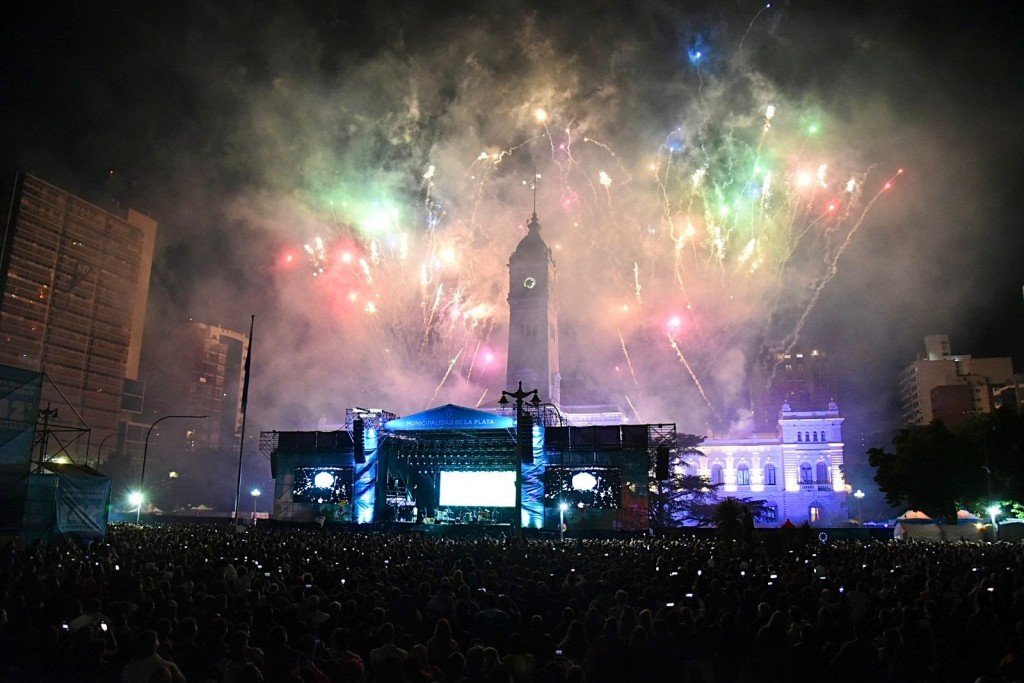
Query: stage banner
x,y
37,520
82,504
365,478
533,482
450,417
19,405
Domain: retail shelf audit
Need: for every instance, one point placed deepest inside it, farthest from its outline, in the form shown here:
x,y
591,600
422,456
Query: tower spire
x,y
536,177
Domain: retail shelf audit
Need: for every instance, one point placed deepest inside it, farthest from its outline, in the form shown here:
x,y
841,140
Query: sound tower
x,y
661,463
358,441
524,438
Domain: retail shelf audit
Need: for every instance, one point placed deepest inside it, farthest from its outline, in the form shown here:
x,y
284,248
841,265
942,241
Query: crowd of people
x,y
209,603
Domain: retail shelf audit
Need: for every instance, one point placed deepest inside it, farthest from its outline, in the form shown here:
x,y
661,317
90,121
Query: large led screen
x,y
322,485
481,489
582,487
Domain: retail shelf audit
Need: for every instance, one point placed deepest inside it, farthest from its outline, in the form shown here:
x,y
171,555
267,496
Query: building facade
x,y
533,317
74,284
215,379
797,471
951,387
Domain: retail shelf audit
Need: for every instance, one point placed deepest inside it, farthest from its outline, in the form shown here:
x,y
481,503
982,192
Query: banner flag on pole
x,y
248,365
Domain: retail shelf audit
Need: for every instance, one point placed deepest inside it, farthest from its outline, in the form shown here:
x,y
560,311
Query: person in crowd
x,y
147,664
206,604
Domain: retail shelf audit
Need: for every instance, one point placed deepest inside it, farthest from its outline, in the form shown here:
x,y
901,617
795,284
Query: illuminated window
x,y
743,475
769,475
814,512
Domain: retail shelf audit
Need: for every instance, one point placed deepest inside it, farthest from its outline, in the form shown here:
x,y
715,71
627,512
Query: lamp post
x,y
99,449
255,496
145,446
994,510
519,395
136,500
561,520
859,495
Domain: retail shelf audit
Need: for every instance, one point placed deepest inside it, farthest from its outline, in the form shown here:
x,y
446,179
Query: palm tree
x,y
730,518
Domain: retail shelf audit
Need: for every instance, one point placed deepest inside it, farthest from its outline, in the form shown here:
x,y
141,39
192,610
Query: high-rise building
x,y
951,387
804,380
201,372
74,284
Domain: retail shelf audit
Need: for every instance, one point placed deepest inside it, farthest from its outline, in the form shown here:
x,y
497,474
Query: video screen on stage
x,y
490,489
322,485
582,487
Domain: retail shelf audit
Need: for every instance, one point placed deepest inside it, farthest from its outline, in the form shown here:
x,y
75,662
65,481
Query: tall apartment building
x,y
74,284
805,380
951,387
200,372
216,378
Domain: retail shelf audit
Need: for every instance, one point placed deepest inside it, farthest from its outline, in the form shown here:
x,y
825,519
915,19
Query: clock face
x,y
530,282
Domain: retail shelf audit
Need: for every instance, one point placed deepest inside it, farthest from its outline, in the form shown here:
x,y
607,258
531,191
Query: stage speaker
x,y
358,441
661,463
524,438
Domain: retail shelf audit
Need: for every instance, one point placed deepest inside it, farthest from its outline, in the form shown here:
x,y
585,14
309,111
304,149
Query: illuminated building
x,y
797,471
533,336
533,317
949,386
75,281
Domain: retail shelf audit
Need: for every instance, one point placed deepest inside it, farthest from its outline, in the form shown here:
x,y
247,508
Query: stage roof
x,y
450,417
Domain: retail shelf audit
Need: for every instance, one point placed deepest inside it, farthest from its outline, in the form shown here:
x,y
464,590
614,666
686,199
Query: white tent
x,y
965,517
914,515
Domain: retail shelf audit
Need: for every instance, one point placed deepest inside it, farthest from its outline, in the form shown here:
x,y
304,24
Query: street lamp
x,y
145,446
99,449
994,510
136,500
255,496
519,395
561,520
859,495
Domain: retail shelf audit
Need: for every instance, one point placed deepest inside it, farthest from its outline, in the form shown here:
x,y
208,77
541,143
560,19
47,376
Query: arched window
x,y
814,512
769,475
743,475
807,437
716,475
823,437
821,472
799,437
815,435
805,474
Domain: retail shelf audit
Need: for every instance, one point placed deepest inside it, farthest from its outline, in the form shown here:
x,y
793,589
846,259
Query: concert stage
x,y
453,470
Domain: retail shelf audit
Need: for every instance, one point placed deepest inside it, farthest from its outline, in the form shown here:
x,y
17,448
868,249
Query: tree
x,y
931,469
683,499
996,445
734,517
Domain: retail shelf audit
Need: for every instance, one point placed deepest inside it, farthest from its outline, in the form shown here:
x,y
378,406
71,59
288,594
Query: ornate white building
x,y
798,471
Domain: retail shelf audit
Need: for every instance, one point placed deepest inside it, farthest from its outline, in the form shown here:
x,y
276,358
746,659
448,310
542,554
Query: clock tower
x,y
533,317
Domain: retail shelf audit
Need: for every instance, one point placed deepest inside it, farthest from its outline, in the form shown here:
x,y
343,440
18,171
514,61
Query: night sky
x,y
405,136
